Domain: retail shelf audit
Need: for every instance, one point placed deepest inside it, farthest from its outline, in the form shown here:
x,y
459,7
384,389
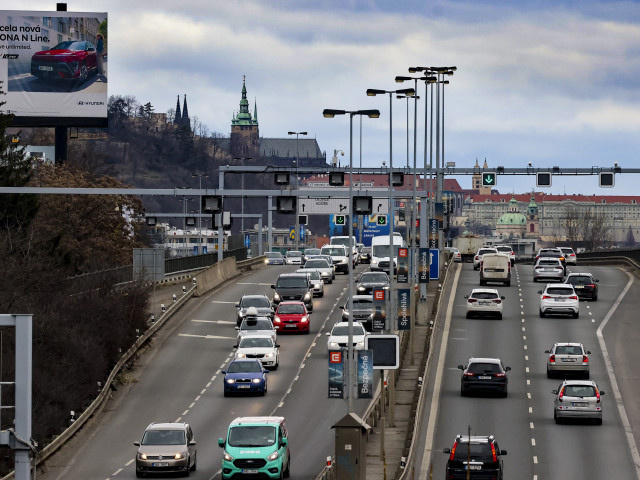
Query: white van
x,y
380,252
495,267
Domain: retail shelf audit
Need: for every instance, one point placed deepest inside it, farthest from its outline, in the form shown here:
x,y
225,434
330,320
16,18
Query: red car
x,y
74,60
291,317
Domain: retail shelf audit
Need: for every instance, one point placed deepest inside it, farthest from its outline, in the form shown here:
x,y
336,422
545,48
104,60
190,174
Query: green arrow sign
x,y
488,179
340,219
382,219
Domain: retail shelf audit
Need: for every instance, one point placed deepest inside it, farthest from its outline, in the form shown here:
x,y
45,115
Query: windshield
x,y
377,277
559,291
579,391
343,330
383,250
312,251
568,350
253,342
484,295
316,264
163,437
334,251
256,324
256,302
475,451
294,253
69,45
343,241
289,309
292,282
273,255
244,367
362,304
486,368
314,275
579,280
252,436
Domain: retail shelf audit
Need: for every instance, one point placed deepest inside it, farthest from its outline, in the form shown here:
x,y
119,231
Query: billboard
x,y
53,68
336,374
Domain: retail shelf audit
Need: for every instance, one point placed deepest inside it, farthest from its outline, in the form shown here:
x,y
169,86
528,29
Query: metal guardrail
x,y
102,397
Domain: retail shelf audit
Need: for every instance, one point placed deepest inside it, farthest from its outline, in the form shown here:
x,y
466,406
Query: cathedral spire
x,y
255,110
185,111
178,116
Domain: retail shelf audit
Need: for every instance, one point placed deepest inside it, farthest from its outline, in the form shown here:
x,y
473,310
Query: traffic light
x,y
281,178
340,219
212,204
607,179
286,204
336,179
401,215
488,179
397,179
303,219
362,205
382,219
543,179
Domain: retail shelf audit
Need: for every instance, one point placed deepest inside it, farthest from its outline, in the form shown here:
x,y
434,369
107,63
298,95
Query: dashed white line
x,y
129,462
185,412
202,391
528,382
526,369
192,404
531,425
535,460
533,442
116,472
530,409
529,395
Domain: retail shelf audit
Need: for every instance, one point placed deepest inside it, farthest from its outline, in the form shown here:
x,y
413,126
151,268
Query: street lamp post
x,y
330,113
297,234
242,159
200,175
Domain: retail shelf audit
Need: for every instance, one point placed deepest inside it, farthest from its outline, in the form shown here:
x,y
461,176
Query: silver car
x,y
577,399
316,280
568,358
323,266
548,268
165,448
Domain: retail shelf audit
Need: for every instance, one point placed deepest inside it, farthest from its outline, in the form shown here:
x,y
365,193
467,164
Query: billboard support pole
x,y
61,145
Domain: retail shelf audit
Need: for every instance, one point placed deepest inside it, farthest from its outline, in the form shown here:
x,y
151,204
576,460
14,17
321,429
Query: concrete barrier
x,y
215,275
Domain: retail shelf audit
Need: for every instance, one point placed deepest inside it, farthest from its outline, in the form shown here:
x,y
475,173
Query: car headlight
x,y
230,380
241,313
304,319
360,344
273,456
307,295
333,344
276,319
256,380
361,288
227,457
276,297
269,355
241,355
143,456
179,456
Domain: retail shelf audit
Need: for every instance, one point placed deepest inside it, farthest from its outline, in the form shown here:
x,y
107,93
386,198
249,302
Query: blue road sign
x,y
247,240
434,264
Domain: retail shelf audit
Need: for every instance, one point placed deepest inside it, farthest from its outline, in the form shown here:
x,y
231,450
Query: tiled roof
x,y
290,148
541,198
450,184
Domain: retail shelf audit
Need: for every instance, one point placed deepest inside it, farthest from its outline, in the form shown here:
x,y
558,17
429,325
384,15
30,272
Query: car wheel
x,y
505,393
576,315
542,314
321,294
287,471
586,376
482,282
549,374
275,367
499,316
557,419
468,314
595,298
139,475
187,472
598,421
84,74
194,467
535,280
508,283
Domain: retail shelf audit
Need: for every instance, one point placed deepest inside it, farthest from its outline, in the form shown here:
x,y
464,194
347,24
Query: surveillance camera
x,y
615,164
529,163
342,153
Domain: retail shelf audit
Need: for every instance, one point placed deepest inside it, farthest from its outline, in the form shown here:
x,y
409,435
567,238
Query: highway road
x,y
523,422
179,380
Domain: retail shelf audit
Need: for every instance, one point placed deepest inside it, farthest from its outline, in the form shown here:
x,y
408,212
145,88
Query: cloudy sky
x,y
554,83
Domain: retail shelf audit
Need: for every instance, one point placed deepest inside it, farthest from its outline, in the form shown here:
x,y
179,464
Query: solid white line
x,y
435,395
248,283
612,378
205,336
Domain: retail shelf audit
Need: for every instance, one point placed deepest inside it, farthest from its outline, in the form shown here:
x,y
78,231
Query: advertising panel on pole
x,y
365,373
247,240
404,309
53,67
379,310
403,265
336,374
423,265
433,233
434,265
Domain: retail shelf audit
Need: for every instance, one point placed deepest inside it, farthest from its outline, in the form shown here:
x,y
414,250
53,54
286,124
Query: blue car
x,y
274,258
246,375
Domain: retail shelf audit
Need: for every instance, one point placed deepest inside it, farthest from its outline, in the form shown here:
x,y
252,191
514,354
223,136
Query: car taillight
x,y
561,394
597,396
471,300
481,263
502,374
497,300
468,374
544,297
453,450
590,285
552,358
585,359
573,297
493,453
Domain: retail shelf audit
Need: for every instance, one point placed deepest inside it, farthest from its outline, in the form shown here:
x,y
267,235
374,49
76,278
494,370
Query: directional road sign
x,y
336,206
488,179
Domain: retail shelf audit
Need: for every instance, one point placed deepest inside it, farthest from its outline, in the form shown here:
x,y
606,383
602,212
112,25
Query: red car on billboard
x,y
291,317
71,59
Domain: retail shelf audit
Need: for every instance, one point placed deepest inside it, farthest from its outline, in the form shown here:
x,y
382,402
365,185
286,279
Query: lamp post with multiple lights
x,y
297,234
330,113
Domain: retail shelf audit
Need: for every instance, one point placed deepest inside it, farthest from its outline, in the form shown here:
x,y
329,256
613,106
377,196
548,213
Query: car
x,y
548,268
71,59
293,286
339,336
367,282
274,258
292,317
477,258
166,448
365,255
308,252
260,305
484,302
577,399
330,262
320,265
256,326
559,299
456,256
507,250
568,358
316,280
261,347
484,375
474,456
256,447
495,267
293,257
569,255
585,285
339,257
551,252
245,375
362,311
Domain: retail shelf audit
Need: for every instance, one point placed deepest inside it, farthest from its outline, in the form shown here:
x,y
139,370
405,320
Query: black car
x,y
484,375
362,311
294,286
369,281
260,302
475,456
584,285
365,255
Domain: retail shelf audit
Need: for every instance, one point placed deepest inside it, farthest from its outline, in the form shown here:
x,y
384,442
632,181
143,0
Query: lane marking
x,y
221,301
612,377
129,462
250,283
220,322
116,472
206,336
533,442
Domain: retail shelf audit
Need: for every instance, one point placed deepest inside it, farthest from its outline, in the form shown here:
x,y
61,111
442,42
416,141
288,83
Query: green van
x,y
256,446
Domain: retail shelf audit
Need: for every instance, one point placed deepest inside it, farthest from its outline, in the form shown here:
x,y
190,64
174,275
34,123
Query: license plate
x,y
568,359
484,377
290,325
249,472
484,303
559,299
45,69
578,404
474,467
577,287
160,464
244,386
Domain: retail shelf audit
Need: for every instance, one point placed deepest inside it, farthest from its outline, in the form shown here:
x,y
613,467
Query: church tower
x,y
533,218
185,113
178,118
245,137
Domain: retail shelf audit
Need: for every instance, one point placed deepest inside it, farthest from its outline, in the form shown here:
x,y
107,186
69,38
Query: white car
x,y
321,265
252,326
477,258
261,347
339,336
567,358
507,250
316,280
339,256
293,257
484,301
559,298
569,255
